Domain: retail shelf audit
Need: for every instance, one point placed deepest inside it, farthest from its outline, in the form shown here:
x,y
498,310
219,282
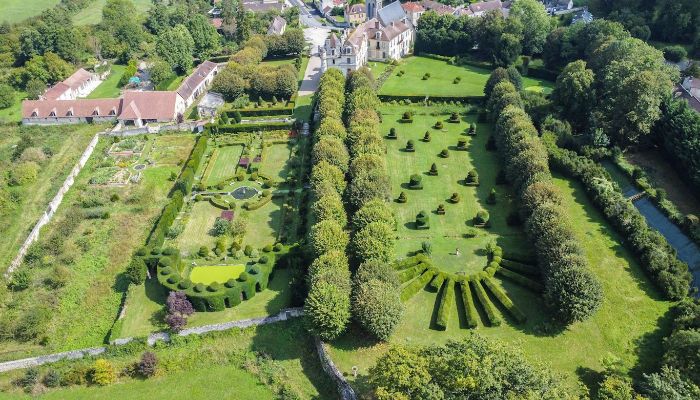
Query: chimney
x,y
376,24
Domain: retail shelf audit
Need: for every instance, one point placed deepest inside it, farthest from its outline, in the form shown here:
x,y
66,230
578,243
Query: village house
x,y
80,84
261,6
355,14
277,26
414,11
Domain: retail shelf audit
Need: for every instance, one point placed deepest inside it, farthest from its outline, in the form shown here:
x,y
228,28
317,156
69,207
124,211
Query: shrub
x,y
278,247
454,118
462,144
248,250
447,305
491,199
438,125
203,251
505,300
20,280
136,270
29,379
373,211
7,96
454,199
433,170
472,129
243,276
416,285
486,303
675,53
402,198
52,379
377,307
440,209
468,300
426,248
392,133
147,365
327,310
267,248
472,178
326,236
221,226
103,373
407,115
410,147
422,220
375,241
426,137
415,182
482,217
444,153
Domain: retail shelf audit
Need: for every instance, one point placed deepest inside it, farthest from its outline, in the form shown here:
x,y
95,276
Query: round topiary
x,y
213,287
454,198
255,270
454,117
266,193
267,248
166,271
422,220
441,209
472,178
392,133
230,283
199,288
410,146
482,217
198,197
462,144
185,284
444,153
402,198
426,137
264,260
142,252
278,247
243,276
173,279
415,182
438,125
407,115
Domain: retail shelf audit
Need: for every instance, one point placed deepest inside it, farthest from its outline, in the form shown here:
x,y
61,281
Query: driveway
x,y
316,37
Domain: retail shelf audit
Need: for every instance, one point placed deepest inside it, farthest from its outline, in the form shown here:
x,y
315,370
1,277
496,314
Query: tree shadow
x,y
590,378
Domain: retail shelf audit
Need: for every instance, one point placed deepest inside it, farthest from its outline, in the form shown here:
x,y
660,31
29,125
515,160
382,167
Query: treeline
x,y
494,38
376,302
327,305
571,291
653,251
679,133
664,20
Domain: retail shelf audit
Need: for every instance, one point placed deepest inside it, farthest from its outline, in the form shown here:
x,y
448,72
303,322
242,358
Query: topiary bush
x,y
392,133
440,209
433,170
422,220
438,125
462,144
472,129
426,137
402,198
407,117
444,153
415,182
267,248
454,199
491,199
454,118
482,218
410,146
472,178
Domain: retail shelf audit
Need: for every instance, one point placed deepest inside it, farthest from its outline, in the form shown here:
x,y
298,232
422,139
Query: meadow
x,y
92,14
14,11
441,82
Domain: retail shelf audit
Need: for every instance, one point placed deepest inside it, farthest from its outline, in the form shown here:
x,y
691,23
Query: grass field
x,y
441,81
630,324
275,163
223,166
446,233
302,108
197,230
215,273
171,83
14,11
67,144
14,112
109,88
264,223
92,14
95,252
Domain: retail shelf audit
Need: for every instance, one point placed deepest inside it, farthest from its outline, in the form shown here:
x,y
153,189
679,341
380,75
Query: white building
x,y
80,84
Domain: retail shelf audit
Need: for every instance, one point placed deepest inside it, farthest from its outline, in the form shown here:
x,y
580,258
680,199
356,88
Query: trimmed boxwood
x,y
437,282
469,308
519,279
219,203
269,126
410,273
254,205
417,284
447,305
503,298
486,303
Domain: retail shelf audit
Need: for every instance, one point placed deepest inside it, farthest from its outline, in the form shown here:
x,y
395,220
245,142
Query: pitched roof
x,y
56,91
355,9
81,108
412,6
439,8
391,13
389,31
190,84
485,6
217,22
149,105
74,82
277,26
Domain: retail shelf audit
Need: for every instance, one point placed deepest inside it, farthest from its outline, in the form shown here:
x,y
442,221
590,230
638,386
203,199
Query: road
x,y
310,16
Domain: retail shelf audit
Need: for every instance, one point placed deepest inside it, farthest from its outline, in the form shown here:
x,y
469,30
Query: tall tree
x,y
175,46
206,40
574,93
537,24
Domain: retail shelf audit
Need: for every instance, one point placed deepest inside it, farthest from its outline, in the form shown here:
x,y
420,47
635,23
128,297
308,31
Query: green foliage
x,y
503,298
327,310
377,307
374,241
417,285
486,303
136,270
447,305
423,220
469,309
176,46
7,96
103,372
326,236
373,211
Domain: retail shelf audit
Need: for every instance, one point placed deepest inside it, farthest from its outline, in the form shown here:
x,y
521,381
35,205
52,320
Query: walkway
x,y
283,315
316,37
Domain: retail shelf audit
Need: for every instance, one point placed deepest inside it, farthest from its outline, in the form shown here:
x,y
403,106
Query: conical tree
x,y
433,170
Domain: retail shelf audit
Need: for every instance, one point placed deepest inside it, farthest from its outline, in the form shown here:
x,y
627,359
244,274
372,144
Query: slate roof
x,y
190,84
391,13
389,31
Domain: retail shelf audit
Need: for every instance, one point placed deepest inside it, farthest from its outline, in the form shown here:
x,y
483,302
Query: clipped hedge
x,y
264,112
447,305
437,282
469,309
519,279
520,267
269,126
220,203
410,273
417,284
410,261
254,205
505,300
486,303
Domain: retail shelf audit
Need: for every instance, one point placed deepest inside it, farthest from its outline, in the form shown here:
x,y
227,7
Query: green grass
x,y
275,161
441,81
172,83
302,108
200,221
14,112
377,68
92,14
224,166
630,324
14,11
264,223
96,253
215,273
109,88
446,233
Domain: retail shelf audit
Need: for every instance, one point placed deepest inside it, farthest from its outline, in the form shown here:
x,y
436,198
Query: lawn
x,y
302,108
215,273
109,88
14,11
80,312
446,233
630,324
222,165
14,112
92,14
441,82
264,223
200,220
377,68
276,62
275,162
172,83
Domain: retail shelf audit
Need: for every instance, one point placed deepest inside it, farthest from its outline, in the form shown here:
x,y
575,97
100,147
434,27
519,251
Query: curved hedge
x,y
417,284
218,296
447,305
469,309
260,202
520,267
412,272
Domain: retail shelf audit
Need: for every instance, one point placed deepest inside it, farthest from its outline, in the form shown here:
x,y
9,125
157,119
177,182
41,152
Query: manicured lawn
x,y
275,161
215,273
441,80
200,221
172,83
14,112
446,233
630,324
264,223
302,108
377,68
14,11
109,88
224,164
92,14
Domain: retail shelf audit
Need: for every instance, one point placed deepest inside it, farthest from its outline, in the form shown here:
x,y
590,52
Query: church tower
x,y
373,7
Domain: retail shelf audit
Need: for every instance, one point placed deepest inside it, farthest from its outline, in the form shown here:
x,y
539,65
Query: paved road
x,y
309,16
316,37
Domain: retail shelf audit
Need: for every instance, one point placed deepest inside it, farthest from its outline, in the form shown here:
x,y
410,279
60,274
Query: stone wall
x,y
345,391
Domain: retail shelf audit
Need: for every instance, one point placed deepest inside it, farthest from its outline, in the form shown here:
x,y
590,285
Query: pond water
x,y
244,192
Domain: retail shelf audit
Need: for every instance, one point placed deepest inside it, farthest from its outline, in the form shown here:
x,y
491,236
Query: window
x,y
52,114
348,60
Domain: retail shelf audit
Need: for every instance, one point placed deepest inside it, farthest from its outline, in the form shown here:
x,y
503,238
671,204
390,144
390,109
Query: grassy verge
x,y
109,88
14,112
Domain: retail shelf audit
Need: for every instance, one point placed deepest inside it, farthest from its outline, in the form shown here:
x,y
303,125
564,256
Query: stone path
x,y
316,37
283,315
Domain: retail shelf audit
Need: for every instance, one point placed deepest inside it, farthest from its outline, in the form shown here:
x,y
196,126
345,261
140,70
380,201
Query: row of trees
x,y
679,133
376,302
496,38
570,290
327,306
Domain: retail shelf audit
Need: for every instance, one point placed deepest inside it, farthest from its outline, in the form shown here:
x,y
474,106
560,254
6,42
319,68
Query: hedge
x,y
469,308
219,203
438,281
520,257
488,306
519,279
417,284
167,217
250,206
410,261
505,300
421,98
269,126
410,273
264,112
447,305
520,267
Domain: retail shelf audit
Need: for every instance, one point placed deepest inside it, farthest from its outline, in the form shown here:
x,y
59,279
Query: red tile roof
x,y
149,105
80,108
412,6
